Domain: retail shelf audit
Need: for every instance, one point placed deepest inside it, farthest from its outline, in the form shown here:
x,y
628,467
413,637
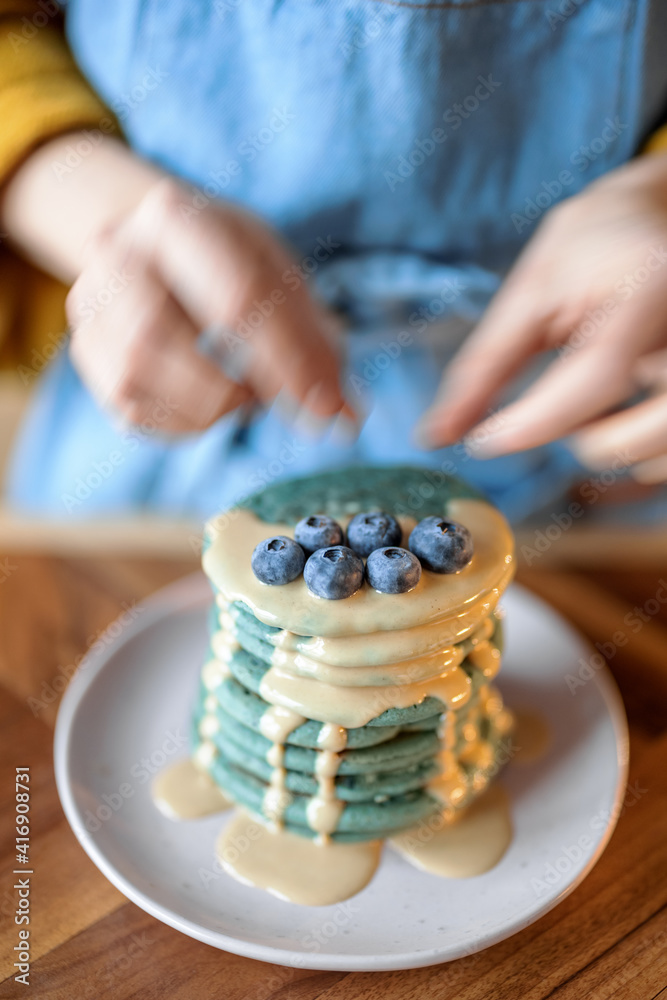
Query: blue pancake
x,y
392,767
349,787
375,806
401,490
249,670
247,708
358,821
239,711
351,776
384,803
256,637
404,750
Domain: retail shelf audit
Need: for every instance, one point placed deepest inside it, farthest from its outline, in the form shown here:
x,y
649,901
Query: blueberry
x,y
334,572
277,560
317,532
443,546
393,570
373,530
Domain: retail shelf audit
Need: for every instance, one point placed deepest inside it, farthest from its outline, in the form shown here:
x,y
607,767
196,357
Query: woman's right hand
x,y
167,270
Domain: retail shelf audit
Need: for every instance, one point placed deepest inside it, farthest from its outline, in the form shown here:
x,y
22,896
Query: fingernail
x,y
307,424
422,434
484,442
487,448
285,407
344,432
588,451
650,472
324,400
350,412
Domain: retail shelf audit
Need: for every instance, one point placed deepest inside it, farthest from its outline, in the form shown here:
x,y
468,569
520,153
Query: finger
x,y
511,331
651,369
292,354
638,433
165,370
577,387
236,281
652,471
139,353
571,392
189,393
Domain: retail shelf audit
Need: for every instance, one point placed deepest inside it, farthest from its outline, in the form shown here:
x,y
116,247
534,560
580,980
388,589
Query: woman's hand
x,y
593,282
155,263
167,271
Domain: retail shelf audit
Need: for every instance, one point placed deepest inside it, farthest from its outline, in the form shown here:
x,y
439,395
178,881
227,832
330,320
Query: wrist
x,y
66,192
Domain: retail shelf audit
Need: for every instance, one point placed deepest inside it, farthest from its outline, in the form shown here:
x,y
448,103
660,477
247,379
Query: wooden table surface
x,y
607,939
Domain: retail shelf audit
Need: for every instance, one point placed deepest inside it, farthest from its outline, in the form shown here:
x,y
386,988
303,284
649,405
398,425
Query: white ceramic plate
x,y
126,712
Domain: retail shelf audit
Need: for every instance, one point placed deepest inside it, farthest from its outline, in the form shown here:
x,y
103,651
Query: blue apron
x,y
406,150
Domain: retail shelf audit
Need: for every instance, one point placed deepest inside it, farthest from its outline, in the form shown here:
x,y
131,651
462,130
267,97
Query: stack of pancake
x,y
353,719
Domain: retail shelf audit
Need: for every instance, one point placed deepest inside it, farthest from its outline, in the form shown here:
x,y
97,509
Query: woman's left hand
x,y
592,282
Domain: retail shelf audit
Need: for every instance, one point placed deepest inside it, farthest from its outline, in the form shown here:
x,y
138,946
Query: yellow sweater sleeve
x,y
42,94
658,141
